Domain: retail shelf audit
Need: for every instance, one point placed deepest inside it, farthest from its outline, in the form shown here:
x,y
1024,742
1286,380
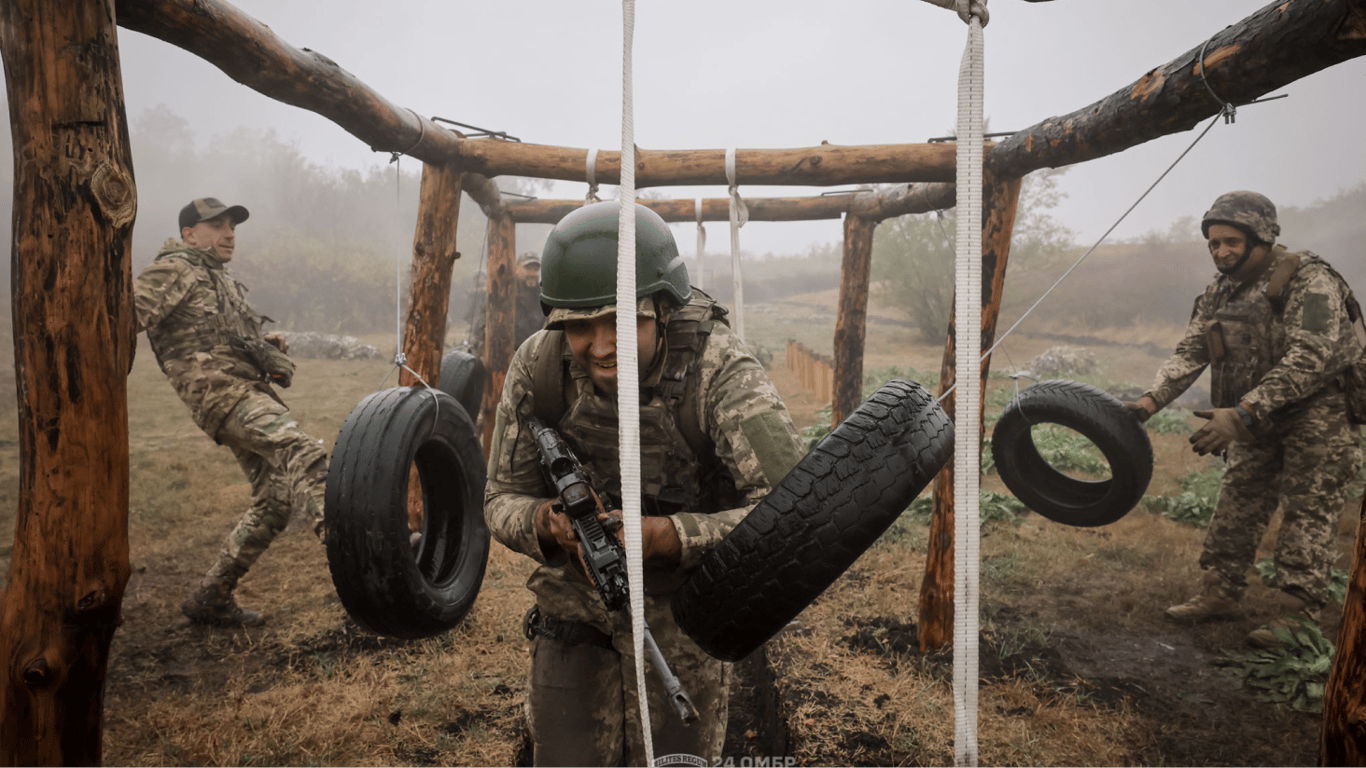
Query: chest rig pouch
x,y
1245,338
679,467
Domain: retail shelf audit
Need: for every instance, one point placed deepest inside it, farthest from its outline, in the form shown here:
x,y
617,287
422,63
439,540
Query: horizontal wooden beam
x,y
1277,45
819,166
874,206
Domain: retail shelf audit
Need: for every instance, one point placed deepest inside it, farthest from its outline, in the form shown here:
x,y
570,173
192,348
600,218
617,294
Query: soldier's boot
x,y
1217,599
214,604
1277,633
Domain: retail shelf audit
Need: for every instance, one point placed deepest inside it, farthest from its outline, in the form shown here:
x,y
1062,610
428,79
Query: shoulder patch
x,y
1316,315
773,447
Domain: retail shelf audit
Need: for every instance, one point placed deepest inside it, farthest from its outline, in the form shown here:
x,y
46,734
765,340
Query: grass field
x,y
1078,666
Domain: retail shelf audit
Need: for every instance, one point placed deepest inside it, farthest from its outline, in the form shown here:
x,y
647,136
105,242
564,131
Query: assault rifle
x,y
602,552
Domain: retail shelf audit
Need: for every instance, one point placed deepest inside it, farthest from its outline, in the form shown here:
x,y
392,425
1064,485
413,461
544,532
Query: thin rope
x,y
739,216
701,244
1092,249
628,373
967,448
591,173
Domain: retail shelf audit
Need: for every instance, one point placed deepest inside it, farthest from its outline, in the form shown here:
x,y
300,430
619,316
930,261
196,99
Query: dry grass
x,y
309,688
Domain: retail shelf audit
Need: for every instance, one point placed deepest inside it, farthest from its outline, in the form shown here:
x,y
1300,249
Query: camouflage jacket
x,y
1274,354
753,436
190,306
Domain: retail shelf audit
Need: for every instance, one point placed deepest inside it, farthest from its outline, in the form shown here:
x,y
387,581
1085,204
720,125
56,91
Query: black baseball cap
x,y
208,207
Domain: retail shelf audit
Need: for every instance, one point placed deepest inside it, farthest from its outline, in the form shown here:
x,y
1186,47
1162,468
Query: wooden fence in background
x,y
815,372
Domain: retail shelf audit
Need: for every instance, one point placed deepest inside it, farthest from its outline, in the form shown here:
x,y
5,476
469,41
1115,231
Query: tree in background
x,y
913,255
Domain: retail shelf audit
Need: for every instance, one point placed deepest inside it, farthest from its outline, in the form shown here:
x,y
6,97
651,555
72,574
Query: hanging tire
x,y
816,522
462,377
1096,415
389,581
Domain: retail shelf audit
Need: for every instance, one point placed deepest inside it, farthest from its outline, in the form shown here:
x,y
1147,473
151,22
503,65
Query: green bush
x,y
1293,675
1195,504
1170,421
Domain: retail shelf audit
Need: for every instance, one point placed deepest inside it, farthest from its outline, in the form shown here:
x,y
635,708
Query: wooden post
x,y
851,327
74,204
1343,740
434,255
501,323
999,197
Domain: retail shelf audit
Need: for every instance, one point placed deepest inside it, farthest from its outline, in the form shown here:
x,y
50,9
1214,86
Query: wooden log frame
x,y
1276,46
1343,735
851,323
999,199
500,327
434,255
74,205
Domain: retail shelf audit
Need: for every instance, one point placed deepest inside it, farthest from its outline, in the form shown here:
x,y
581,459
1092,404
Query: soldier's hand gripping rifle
x,y
602,552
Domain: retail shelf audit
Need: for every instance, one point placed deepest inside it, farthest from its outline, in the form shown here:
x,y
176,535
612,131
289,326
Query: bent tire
x,y
389,581
828,510
462,377
1096,415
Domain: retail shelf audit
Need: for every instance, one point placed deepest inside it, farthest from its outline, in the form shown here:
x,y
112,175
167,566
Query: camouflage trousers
x,y
287,470
583,708
1302,465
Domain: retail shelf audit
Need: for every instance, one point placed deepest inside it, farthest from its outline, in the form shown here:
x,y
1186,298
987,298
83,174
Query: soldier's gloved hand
x,y
1139,411
1225,428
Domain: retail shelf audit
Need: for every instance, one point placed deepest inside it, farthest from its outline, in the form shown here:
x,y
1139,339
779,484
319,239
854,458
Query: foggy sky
x,y
769,73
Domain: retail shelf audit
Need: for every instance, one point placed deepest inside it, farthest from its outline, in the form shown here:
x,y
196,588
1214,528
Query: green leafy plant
x,y
1069,451
1293,675
1195,504
1170,421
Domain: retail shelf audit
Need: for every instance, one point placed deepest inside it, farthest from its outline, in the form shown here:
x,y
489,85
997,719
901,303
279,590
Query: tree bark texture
x,y
74,205
501,323
851,325
1273,47
999,199
1343,737
434,255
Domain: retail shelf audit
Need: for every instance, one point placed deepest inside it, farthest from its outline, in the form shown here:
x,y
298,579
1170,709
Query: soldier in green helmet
x,y
715,438
210,344
1277,330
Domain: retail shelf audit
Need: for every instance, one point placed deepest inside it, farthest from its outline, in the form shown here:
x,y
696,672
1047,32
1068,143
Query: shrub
x,y
1293,675
1195,504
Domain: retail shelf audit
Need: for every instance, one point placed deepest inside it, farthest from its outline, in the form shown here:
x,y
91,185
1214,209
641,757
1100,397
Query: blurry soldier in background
x,y
1275,329
209,343
715,437
529,316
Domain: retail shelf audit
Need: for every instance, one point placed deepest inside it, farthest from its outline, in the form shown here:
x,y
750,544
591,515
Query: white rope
x,y
591,173
739,216
967,448
701,245
628,373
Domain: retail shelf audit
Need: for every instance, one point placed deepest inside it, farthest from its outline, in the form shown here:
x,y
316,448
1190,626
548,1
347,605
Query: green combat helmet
x,y
1248,211
579,263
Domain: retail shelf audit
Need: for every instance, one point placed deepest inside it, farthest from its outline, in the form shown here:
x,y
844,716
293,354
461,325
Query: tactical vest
x,y
679,467
179,336
1246,337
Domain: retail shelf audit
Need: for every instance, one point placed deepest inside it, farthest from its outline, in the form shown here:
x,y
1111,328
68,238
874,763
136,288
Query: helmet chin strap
x,y
1233,268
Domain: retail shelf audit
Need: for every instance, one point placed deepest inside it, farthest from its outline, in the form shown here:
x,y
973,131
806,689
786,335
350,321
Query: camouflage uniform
x,y
583,704
1285,360
190,306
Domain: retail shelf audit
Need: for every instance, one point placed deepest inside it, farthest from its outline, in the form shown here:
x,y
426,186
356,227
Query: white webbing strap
x,y
739,215
591,172
967,461
628,373
701,245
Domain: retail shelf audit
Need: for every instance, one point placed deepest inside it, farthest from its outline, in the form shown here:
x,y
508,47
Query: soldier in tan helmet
x,y
210,344
1276,329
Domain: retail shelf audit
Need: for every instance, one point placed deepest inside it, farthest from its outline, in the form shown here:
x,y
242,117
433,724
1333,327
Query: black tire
x,y
1098,416
386,583
816,522
462,377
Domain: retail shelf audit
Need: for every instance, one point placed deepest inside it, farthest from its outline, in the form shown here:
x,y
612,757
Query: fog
x,y
707,74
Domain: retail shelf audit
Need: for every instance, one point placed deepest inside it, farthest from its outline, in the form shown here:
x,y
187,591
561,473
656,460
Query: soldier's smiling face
x,y
594,346
217,235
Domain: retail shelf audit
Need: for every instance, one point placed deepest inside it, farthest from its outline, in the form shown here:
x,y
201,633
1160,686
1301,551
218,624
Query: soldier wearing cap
x,y
529,316
209,342
1276,332
715,438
